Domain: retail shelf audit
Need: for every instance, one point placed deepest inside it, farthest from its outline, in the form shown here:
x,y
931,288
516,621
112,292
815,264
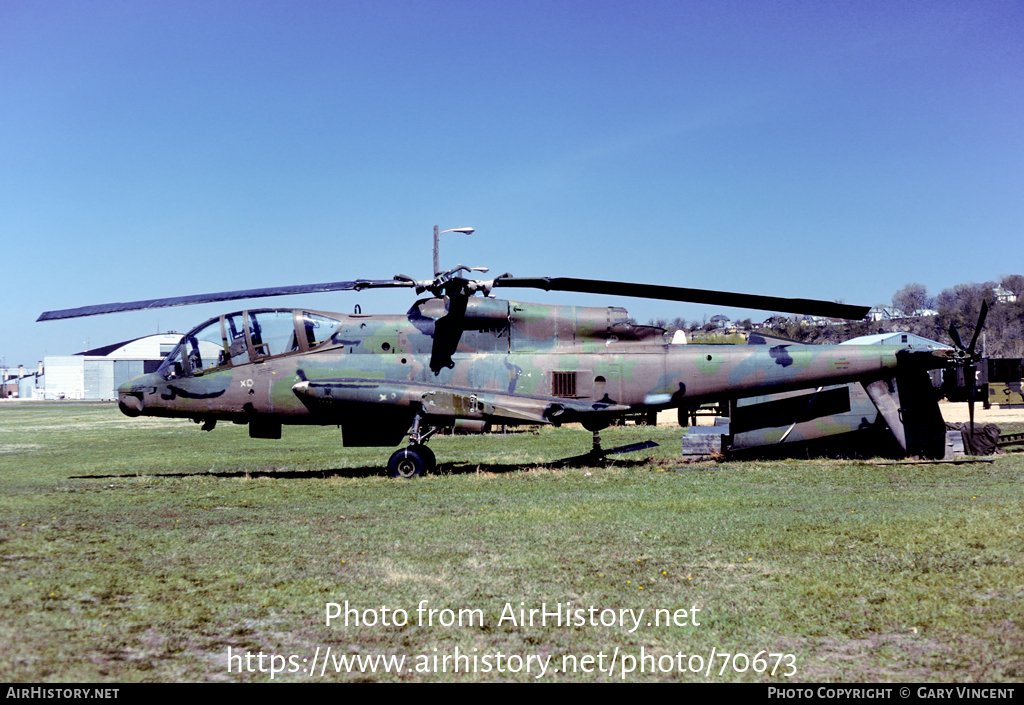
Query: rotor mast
x,y
437,245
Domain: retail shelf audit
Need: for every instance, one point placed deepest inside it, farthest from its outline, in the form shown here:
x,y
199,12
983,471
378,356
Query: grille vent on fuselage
x,y
563,384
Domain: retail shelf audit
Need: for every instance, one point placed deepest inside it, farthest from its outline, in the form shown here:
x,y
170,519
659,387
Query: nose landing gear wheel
x,y
411,462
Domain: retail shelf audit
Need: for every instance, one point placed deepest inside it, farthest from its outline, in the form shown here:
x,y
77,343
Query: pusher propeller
x,y
966,357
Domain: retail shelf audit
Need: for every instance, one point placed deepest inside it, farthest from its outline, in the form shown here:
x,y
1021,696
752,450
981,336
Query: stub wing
x,y
446,403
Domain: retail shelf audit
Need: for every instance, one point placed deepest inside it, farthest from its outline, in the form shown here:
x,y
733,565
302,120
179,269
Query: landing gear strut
x,y
417,459
411,462
598,456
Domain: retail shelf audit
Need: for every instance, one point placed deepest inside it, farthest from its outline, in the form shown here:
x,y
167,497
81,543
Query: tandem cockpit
x,y
247,336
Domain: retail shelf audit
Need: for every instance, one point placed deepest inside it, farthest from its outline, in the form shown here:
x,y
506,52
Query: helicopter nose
x,y
130,403
129,398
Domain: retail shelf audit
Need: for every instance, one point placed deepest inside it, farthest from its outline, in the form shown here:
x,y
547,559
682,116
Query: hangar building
x,y
897,338
97,373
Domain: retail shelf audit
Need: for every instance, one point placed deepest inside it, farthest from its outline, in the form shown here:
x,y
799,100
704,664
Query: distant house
x,y
1004,296
825,321
775,322
883,313
888,313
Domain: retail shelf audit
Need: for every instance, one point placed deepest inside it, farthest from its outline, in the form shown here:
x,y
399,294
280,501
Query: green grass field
x,y
143,550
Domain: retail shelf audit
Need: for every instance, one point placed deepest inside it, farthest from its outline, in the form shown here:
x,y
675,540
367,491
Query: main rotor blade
x,y
954,335
221,296
981,324
810,307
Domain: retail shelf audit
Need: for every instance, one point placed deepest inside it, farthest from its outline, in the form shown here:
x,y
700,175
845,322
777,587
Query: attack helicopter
x,y
462,358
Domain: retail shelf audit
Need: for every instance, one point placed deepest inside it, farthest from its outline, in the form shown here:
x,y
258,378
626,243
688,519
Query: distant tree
x,y
961,307
912,299
1004,329
1013,283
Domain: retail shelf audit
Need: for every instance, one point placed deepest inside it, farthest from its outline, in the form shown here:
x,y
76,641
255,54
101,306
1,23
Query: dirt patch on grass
x,y
18,447
879,657
959,413
93,425
903,657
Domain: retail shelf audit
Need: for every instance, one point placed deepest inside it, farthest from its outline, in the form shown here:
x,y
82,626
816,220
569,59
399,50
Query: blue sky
x,y
833,150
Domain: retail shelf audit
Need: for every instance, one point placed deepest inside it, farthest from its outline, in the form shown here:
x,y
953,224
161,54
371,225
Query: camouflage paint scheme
x,y
802,416
509,363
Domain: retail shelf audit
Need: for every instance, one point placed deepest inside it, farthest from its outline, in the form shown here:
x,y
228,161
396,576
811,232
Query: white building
x,y
97,373
1004,296
897,338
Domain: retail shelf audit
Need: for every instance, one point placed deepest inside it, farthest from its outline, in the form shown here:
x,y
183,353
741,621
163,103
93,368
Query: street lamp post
x,y
437,245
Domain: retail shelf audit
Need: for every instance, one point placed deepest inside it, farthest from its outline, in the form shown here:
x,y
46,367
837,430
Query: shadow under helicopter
x,y
869,443
443,469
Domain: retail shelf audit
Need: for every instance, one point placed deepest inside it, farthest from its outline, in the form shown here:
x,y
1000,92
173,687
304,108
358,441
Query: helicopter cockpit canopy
x,y
247,336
